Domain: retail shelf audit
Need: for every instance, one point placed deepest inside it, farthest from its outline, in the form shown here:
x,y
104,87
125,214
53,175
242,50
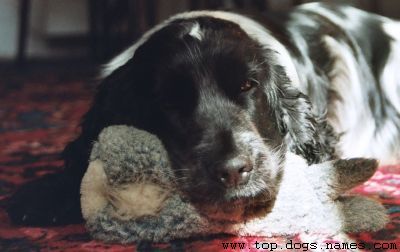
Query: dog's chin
x,y
237,208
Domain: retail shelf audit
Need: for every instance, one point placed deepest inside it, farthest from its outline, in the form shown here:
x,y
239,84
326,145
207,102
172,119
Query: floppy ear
x,y
123,97
118,100
307,134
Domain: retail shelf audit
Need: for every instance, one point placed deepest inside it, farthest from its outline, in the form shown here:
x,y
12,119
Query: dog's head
x,y
223,105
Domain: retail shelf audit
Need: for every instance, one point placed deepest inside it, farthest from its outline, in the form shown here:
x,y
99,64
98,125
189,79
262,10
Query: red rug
x,y
39,114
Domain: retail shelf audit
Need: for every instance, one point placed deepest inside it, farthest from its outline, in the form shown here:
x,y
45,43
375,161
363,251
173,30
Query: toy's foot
x,y
362,214
49,201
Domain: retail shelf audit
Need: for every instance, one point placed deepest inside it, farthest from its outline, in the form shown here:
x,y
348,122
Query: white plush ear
x,y
131,200
332,178
136,200
93,190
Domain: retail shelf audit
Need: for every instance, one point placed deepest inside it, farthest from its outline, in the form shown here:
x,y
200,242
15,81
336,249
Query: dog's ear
x,y
306,134
122,97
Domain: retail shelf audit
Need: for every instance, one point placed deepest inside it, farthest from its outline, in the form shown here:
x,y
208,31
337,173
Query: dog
x,y
230,95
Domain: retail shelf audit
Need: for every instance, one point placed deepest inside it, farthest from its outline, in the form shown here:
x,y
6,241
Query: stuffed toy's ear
x,y
340,176
352,172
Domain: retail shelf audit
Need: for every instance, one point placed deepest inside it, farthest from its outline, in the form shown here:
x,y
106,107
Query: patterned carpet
x,y
39,114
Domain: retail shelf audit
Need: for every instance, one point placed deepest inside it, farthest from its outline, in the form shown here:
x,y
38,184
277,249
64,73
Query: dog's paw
x,y
49,201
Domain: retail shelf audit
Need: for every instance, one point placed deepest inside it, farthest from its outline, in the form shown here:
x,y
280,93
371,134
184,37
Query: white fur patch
x,y
390,81
351,109
196,32
361,137
391,73
351,17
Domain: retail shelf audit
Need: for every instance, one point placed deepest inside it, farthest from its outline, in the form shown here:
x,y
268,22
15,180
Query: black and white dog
x,y
229,96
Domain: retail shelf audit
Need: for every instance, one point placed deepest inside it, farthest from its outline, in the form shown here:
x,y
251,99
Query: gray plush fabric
x,y
132,156
309,197
175,220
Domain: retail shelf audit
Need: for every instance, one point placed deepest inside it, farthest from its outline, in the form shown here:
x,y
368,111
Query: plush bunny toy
x,y
129,194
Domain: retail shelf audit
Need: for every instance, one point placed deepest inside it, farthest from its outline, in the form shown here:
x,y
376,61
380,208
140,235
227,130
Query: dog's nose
x,y
235,171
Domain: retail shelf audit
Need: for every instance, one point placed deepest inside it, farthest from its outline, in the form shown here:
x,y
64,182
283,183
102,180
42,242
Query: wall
x,y
8,28
48,19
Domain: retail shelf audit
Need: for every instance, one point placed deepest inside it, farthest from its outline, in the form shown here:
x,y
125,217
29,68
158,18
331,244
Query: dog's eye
x,y
247,85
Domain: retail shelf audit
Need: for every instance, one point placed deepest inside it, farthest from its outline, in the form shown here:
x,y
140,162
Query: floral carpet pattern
x,y
39,114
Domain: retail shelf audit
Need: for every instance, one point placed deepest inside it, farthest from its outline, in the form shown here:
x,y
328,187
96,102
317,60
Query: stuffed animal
x,y
129,193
